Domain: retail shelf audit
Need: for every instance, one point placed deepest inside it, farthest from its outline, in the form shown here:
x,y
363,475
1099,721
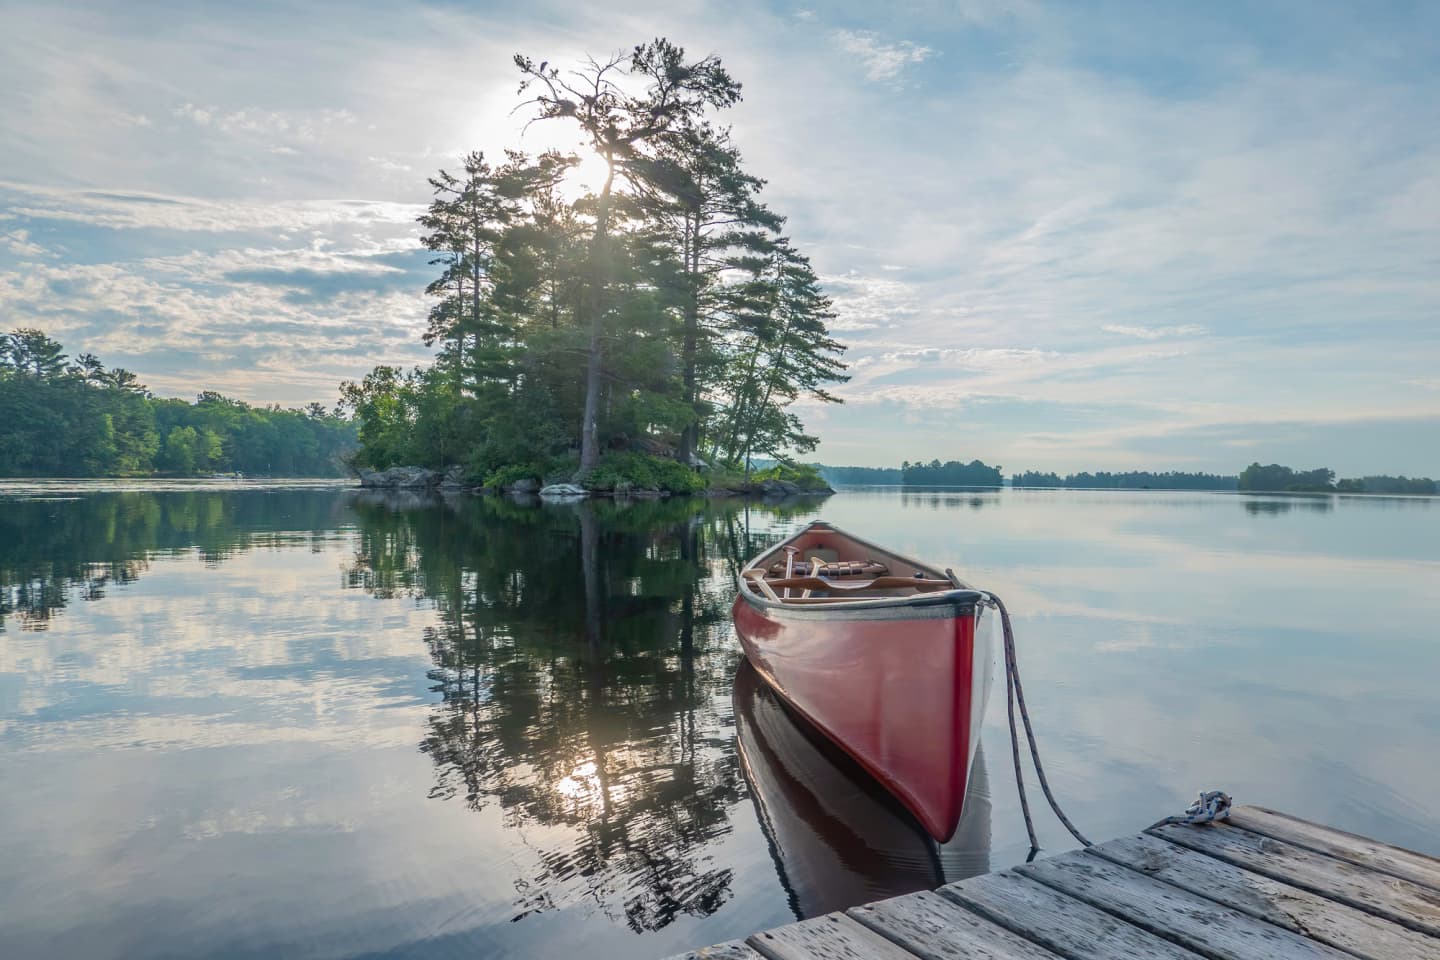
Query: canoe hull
x,y
838,837
901,689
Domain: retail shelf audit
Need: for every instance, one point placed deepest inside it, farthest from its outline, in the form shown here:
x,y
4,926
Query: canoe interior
x,y
830,566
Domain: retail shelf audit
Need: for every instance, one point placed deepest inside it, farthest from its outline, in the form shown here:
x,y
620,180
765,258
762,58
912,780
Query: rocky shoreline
x,y
452,480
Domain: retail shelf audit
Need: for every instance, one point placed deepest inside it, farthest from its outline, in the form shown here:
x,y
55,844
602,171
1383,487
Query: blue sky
x,y
1060,236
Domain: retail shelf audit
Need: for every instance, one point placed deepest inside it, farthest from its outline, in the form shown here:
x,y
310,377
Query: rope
x,y
1015,696
1209,806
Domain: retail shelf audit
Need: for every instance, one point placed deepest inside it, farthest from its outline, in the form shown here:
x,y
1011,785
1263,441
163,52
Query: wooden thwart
x,y
1265,886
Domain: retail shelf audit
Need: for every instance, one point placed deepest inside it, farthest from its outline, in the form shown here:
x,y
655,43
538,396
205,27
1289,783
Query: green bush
x,y
640,471
510,473
804,475
561,469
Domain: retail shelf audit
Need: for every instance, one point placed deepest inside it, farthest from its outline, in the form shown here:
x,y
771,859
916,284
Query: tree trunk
x,y
689,347
594,365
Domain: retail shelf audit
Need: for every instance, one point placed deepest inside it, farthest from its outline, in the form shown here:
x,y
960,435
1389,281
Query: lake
x,y
310,721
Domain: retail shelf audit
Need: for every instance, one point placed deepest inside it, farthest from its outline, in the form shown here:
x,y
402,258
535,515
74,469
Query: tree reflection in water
x,y
584,657
54,550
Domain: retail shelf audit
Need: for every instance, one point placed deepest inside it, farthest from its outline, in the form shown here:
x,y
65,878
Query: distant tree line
x,y
1384,484
662,314
1127,480
860,475
1275,478
951,473
63,418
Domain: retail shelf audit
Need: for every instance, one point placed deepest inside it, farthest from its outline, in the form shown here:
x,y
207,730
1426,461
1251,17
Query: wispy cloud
x,y
881,60
1155,333
1097,252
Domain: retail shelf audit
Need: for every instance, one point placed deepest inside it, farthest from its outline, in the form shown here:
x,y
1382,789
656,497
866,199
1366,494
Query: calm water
x,y
309,722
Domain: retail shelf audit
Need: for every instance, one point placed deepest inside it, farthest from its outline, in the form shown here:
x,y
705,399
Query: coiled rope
x,y
1209,806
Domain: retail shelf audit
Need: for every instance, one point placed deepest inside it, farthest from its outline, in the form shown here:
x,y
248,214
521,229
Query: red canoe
x,y
880,653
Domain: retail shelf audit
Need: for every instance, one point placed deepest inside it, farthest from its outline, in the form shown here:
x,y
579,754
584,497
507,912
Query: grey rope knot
x,y
1209,806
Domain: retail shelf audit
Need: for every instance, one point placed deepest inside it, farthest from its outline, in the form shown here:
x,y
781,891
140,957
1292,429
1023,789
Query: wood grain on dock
x,y
1263,885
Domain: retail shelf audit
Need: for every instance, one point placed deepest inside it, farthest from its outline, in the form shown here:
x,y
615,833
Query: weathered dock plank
x,y
1266,886
831,937
1402,901
934,928
1200,925
1264,898
733,950
1396,861
1061,923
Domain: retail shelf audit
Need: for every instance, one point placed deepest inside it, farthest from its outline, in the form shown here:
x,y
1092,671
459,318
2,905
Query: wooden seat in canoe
x,y
801,589
819,567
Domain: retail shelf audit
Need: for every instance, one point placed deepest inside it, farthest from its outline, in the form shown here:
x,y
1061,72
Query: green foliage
x,y
876,475
82,420
622,471
1422,486
662,312
806,476
513,473
1283,479
951,473
1128,480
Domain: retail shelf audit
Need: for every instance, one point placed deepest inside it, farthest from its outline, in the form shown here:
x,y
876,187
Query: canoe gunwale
x,y
964,600
925,606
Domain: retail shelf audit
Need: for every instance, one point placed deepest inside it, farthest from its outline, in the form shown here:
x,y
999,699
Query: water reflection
x,y
950,498
1311,504
837,837
57,549
575,652
321,723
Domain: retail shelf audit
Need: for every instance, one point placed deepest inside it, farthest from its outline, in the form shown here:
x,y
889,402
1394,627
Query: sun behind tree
x,y
656,312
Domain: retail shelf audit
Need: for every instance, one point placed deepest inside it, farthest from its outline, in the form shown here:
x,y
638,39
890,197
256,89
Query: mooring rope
x,y
1015,695
1209,806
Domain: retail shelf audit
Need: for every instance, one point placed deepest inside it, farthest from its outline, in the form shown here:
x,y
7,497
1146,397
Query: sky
x,y
1150,235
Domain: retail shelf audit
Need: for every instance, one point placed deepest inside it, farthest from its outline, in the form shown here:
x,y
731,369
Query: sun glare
x,y
588,176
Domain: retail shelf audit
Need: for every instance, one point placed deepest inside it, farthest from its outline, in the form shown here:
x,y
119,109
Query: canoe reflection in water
x,y
838,837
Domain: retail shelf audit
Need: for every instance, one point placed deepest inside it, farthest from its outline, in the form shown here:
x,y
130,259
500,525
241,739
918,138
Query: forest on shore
x,y
64,418
1254,478
659,323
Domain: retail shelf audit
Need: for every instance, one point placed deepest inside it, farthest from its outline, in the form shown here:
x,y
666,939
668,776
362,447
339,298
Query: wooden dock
x,y
1264,885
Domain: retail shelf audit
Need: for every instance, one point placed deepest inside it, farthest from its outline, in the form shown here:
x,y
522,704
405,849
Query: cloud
x,y
1106,223
320,286
882,61
868,303
1155,333
18,242
973,358
121,210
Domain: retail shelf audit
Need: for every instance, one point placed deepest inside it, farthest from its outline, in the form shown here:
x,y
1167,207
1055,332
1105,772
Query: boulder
x,y
453,478
778,488
399,478
563,491
524,488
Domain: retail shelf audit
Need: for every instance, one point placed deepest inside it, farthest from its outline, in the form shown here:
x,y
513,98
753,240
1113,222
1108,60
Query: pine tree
x,y
624,129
